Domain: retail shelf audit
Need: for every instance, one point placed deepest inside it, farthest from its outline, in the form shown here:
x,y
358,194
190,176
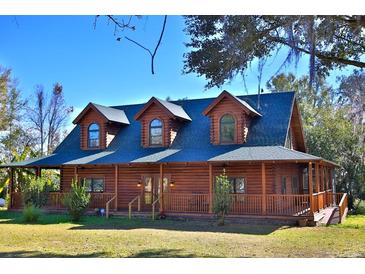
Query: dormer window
x,y
227,129
232,127
156,132
94,136
161,131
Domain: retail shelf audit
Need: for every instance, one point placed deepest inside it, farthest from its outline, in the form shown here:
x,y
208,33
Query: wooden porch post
x,y
11,188
75,174
210,188
317,177
310,186
116,187
38,172
263,185
161,188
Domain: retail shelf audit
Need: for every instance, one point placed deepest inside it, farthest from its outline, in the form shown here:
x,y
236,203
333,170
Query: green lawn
x,y
55,236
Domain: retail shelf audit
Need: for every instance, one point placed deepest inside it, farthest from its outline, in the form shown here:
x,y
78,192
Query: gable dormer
x,y
99,125
230,119
160,122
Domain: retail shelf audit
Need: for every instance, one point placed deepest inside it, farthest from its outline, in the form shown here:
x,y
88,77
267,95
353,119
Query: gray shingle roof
x,y
266,138
112,114
176,110
274,153
245,104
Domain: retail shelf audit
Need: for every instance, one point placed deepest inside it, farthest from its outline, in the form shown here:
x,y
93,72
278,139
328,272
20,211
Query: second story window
x,y
227,129
93,136
156,132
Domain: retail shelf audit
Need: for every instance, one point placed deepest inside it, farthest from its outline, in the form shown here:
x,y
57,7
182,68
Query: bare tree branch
x,y
121,25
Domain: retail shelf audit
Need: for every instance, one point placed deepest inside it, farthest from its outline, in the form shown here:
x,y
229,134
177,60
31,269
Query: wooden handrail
x,y
107,206
131,203
153,207
342,206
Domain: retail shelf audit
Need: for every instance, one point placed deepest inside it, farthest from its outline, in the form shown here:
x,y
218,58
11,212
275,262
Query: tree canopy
x,y
222,47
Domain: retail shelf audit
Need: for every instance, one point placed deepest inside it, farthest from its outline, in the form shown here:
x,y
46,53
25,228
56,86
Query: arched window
x,y
227,129
93,136
156,132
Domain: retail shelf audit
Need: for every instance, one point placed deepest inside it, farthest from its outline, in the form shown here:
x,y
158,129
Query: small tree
x,y
36,192
222,198
76,201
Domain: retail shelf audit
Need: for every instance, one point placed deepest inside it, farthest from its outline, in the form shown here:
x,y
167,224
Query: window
x,y
94,184
227,129
294,185
156,132
283,185
305,180
238,184
93,136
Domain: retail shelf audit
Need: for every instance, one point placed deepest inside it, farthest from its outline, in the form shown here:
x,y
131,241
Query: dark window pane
x,y
295,186
156,132
238,184
227,129
93,135
88,185
98,185
283,185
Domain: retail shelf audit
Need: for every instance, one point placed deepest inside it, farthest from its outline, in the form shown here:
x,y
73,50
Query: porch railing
x,y
246,204
55,200
287,205
180,202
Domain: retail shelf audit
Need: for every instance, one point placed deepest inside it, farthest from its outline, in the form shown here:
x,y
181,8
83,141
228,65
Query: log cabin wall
x,y
187,178
227,106
112,130
252,175
155,112
91,116
105,172
288,171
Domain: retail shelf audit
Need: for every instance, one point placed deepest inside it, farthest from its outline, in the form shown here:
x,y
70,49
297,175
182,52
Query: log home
x,y
163,157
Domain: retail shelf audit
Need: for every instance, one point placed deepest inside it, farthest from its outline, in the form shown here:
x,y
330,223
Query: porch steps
x,y
327,216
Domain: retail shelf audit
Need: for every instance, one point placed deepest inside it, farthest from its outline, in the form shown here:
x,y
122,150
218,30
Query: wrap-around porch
x,y
314,192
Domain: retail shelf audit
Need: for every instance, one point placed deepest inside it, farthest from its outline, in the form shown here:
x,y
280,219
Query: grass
x,y
55,236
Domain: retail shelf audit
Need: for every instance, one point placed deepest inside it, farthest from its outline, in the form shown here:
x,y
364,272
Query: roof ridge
x,y
208,98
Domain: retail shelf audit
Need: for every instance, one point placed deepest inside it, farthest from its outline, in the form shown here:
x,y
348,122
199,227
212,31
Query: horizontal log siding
x,y
288,170
191,178
90,117
154,112
128,178
105,172
227,106
252,175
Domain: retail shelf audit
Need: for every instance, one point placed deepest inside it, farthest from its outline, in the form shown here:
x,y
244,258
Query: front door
x,y
151,190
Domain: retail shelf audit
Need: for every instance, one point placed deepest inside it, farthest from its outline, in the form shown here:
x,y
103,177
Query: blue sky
x,y
93,67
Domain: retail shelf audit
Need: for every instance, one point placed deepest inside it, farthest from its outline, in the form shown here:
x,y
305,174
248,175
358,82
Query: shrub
x,y
222,198
76,201
31,213
35,192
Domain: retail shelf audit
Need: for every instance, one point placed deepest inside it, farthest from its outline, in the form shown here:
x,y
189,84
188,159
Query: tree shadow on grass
x,y
38,254
123,223
166,253
179,225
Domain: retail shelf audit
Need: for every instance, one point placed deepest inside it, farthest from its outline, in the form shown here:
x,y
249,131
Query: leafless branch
x,y
123,25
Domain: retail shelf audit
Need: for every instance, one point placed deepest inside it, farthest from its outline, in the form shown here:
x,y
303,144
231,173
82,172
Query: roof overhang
x,y
108,113
171,109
